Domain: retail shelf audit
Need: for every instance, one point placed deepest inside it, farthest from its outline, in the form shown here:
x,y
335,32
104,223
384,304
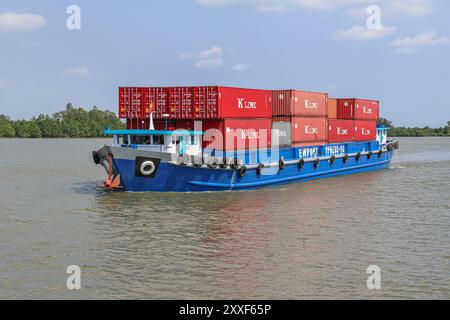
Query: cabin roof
x,y
153,132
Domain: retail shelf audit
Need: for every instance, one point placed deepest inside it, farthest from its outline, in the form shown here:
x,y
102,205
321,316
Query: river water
x,y
299,241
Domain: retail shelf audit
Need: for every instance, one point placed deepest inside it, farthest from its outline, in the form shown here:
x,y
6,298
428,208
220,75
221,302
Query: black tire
x,y
332,159
301,164
259,169
281,163
235,164
345,158
224,163
316,163
242,171
96,157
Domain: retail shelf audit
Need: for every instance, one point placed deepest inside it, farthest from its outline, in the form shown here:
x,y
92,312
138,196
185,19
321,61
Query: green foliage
x,y
70,123
420,132
27,129
6,127
414,132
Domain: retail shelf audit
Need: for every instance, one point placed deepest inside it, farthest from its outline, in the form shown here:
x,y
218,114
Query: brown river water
x,y
311,240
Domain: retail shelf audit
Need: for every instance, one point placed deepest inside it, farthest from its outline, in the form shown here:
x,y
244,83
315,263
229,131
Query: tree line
x,y
416,131
70,123
80,123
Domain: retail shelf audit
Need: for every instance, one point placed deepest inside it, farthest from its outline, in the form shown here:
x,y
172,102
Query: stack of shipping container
x,y
300,117
244,118
352,120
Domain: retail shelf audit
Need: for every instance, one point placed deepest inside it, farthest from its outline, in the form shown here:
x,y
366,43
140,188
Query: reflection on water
x,y
308,240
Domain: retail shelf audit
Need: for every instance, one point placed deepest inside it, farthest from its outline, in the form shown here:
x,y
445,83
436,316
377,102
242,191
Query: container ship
x,y
215,138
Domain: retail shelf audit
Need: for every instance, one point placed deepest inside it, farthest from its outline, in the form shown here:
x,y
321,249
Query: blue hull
x,y
177,178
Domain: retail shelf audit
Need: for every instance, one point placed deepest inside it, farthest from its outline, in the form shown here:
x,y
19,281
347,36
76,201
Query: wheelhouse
x,y
182,142
382,135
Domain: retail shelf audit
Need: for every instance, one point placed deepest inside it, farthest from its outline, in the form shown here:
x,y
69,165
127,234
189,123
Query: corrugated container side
x,y
341,130
181,102
358,109
237,134
365,130
159,101
306,129
131,103
244,103
332,108
281,102
282,119
312,104
299,103
123,108
206,102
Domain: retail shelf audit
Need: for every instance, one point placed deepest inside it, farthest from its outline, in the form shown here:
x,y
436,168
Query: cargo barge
x,y
197,139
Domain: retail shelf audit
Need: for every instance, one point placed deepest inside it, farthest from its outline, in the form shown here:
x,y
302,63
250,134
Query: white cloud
x,y
209,63
10,21
409,45
362,33
413,8
356,13
241,67
78,71
396,8
282,5
209,58
214,52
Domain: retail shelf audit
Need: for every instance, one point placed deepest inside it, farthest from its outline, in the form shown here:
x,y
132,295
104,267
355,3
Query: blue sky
x,y
321,45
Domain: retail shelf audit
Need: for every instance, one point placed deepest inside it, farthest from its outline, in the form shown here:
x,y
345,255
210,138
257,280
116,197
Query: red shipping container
x,y
309,129
332,108
365,130
306,129
158,99
299,103
131,103
341,130
358,109
181,103
226,102
195,102
236,134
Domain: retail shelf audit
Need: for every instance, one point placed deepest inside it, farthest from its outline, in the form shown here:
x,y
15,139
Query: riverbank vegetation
x,y
416,131
70,123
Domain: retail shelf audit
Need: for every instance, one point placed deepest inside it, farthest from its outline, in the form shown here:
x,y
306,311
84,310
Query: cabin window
x,y
175,140
158,140
122,140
